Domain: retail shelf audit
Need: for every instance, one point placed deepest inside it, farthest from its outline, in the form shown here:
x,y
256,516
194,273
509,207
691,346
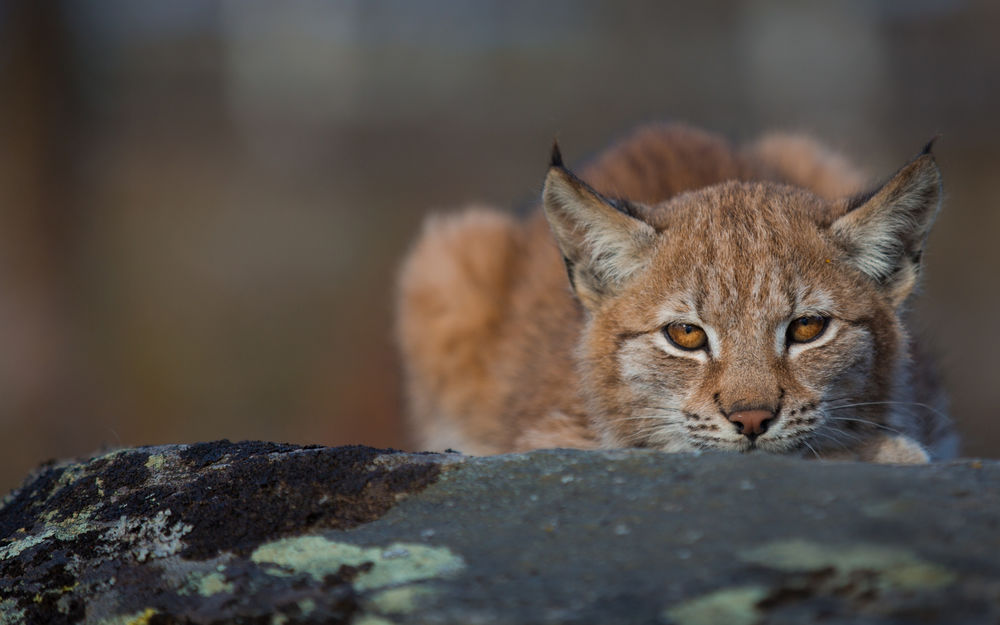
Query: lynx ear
x,y
601,243
884,232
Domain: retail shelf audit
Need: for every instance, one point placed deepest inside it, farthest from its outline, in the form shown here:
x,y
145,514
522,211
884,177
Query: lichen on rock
x,y
86,541
378,567
267,533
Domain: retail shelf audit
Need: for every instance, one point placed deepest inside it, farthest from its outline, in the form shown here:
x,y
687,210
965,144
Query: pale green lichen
x,y
206,584
896,568
71,473
15,548
148,538
10,613
318,557
67,529
732,606
155,462
888,568
307,606
371,619
75,524
400,600
213,584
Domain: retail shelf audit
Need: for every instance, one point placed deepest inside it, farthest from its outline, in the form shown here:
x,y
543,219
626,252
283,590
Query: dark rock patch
x,y
327,489
76,531
200,455
29,499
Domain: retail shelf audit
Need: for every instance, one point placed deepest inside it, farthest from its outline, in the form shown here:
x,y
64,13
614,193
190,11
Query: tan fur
x,y
501,354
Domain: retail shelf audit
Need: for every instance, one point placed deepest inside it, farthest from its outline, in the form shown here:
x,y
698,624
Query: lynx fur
x,y
681,294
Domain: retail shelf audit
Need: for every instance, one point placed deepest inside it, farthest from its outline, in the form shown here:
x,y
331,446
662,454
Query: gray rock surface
x,y
266,533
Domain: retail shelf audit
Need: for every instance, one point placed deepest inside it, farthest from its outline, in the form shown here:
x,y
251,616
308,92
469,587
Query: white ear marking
x,y
884,233
603,247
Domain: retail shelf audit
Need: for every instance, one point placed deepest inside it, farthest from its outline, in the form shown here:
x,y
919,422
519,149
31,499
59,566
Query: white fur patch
x,y
612,245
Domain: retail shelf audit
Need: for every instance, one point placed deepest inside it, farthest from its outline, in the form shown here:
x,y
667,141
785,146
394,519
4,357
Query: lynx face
x,y
744,316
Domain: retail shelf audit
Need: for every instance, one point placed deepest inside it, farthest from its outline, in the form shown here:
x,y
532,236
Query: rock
x,y
267,533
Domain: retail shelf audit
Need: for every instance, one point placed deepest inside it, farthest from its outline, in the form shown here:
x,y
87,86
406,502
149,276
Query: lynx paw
x,y
895,450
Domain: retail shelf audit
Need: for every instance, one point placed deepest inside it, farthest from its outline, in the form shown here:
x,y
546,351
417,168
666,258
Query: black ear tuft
x,y
930,145
556,159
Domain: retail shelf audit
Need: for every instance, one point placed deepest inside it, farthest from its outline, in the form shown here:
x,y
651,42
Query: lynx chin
x,y
681,294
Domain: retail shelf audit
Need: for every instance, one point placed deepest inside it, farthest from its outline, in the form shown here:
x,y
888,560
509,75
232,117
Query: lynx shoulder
x,y
681,294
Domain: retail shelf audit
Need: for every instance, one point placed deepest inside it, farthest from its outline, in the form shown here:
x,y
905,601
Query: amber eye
x,y
805,329
686,336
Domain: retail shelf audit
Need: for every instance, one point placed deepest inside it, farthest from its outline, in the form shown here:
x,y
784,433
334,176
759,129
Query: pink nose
x,y
751,423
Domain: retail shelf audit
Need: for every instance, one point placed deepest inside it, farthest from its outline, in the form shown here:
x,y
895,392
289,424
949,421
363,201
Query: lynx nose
x,y
751,423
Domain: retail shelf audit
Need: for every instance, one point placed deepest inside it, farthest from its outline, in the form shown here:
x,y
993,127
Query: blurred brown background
x,y
202,204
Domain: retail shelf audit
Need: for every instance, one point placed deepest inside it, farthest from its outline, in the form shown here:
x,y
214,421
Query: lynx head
x,y
745,315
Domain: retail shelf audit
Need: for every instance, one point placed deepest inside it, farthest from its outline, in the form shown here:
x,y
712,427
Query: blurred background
x,y
203,204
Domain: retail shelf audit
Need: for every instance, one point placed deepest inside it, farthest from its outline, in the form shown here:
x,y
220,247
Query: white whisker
x,y
815,453
638,435
831,436
642,418
915,404
867,422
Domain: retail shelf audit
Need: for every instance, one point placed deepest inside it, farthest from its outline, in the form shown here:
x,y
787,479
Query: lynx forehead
x,y
681,295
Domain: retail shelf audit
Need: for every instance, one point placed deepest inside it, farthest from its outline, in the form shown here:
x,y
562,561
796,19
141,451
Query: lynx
x,y
681,295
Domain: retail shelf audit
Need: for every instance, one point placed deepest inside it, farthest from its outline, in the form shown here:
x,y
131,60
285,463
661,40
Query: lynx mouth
x,y
754,448
774,446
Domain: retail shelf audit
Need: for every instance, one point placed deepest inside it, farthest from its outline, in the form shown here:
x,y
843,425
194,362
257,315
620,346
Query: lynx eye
x,y
805,329
686,336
